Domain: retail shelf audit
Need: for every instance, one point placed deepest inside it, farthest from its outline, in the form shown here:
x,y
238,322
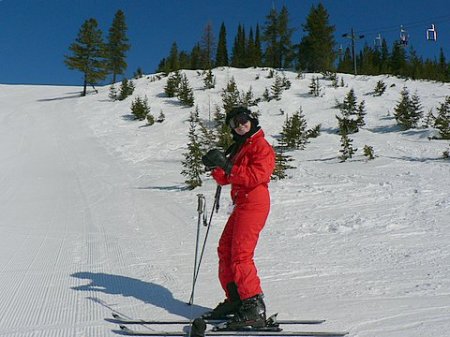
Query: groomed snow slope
x,y
95,218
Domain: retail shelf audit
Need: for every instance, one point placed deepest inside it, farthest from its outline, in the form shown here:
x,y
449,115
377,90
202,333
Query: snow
x,y
95,217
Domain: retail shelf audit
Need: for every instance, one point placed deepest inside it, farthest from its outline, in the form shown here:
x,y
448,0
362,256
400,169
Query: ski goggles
x,y
240,119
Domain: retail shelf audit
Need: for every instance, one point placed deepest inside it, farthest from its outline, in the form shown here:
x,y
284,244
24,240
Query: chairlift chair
x,y
431,33
404,37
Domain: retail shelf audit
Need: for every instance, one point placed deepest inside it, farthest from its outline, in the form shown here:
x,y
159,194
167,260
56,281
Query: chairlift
x,y
431,33
378,41
404,37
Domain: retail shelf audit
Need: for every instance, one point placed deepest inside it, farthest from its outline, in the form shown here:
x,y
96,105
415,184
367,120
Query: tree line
x,y
272,46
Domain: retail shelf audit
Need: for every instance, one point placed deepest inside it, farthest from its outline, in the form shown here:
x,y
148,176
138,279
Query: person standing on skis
x,y
247,165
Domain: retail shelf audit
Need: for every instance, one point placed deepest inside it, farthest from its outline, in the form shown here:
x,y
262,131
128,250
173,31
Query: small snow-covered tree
x,y
230,96
380,88
408,111
126,89
347,149
294,135
140,108
185,92
442,120
173,82
192,164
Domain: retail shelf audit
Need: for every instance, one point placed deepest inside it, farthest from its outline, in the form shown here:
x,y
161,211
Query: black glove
x,y
216,158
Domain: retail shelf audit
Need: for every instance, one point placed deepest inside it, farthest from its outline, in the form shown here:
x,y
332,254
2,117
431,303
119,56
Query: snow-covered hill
x,y
94,216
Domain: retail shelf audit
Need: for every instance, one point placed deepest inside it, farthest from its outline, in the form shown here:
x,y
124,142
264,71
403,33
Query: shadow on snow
x,y
147,292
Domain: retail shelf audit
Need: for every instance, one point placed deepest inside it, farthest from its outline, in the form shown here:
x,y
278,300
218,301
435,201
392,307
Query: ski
x,y
119,319
250,332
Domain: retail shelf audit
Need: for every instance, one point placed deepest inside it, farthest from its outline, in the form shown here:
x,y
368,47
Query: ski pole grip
x,y
200,203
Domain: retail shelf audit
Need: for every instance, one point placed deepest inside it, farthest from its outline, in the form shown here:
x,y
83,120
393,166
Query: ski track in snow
x,y
94,216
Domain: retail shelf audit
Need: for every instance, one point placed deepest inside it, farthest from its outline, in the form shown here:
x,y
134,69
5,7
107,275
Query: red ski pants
x,y
237,247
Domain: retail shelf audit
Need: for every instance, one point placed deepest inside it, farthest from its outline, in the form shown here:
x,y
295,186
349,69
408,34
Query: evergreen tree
x,y
223,131
314,86
222,52
196,57
271,39
192,163
88,54
140,108
126,89
257,52
117,46
352,114
316,51
380,88
282,161
442,120
208,46
368,152
238,58
285,50
230,96
398,63
277,88
173,83
294,135
209,80
173,63
185,92
346,62
347,149
408,111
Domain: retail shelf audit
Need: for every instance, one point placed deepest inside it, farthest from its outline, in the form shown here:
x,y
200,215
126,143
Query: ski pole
x,y
197,265
200,211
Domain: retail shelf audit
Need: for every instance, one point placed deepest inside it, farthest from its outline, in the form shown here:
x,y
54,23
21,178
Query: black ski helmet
x,y
238,111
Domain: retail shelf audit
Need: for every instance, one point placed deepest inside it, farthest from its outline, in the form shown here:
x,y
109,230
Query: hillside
x,y
95,217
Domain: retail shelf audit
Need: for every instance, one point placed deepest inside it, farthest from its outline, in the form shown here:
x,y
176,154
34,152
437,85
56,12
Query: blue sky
x,y
36,34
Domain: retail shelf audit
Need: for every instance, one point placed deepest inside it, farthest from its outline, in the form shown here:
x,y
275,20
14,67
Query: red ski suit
x,y
252,167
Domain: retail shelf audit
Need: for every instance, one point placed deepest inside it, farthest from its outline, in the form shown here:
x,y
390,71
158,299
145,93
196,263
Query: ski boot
x,y
226,309
252,313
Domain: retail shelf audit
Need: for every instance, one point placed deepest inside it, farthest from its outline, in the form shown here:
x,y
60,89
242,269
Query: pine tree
x,y
442,120
113,92
173,83
192,163
238,58
277,88
117,46
173,61
209,80
126,89
408,111
294,135
230,96
223,131
185,92
347,149
88,54
314,86
317,46
208,46
282,161
271,39
380,88
352,114
368,152
222,52
285,33
140,108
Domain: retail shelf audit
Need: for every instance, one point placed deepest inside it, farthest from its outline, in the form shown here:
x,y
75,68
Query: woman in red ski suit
x,y
247,166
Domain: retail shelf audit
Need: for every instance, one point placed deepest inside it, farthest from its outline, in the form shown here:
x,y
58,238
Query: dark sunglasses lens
x,y
238,120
